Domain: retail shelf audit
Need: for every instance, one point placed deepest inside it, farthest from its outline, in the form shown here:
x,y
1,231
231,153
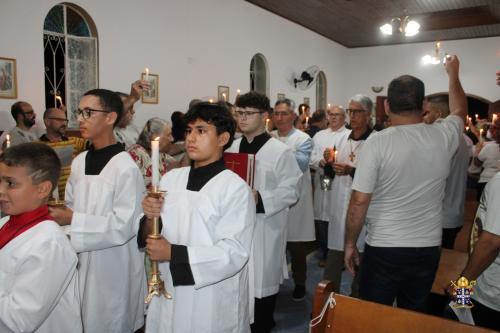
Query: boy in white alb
x,y
276,188
208,219
38,284
104,194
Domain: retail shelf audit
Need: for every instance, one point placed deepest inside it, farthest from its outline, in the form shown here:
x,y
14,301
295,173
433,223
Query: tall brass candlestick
x,y
156,287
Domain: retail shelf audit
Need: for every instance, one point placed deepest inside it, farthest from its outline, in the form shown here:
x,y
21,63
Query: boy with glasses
x,y
103,195
276,179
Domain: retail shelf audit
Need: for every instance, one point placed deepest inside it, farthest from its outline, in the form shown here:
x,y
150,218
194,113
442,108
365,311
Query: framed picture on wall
x,y
8,78
222,93
307,101
281,96
151,96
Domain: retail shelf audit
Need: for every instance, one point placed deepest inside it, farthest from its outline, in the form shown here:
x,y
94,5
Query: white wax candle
x,y
146,77
224,97
494,119
210,100
238,91
477,116
307,121
58,98
7,141
329,105
155,162
267,125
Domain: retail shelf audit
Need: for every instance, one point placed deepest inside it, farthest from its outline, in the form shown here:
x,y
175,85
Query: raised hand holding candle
x,y
155,162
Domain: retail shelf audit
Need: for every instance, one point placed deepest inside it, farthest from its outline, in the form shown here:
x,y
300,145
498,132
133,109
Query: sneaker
x,y
299,293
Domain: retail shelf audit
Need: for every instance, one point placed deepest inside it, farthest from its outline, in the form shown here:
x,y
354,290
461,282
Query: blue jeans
x,y
404,274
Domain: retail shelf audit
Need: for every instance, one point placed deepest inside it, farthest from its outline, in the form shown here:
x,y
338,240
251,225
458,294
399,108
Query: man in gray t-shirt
x,y
398,189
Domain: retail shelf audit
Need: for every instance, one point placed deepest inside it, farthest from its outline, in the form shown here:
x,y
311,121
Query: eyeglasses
x,y
59,119
355,111
335,115
87,112
244,114
28,113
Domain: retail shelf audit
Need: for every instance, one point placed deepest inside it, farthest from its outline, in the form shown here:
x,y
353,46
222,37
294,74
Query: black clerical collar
x,y
364,136
44,138
254,146
96,160
198,177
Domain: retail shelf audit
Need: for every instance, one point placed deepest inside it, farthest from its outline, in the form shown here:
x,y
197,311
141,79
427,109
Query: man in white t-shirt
x,y
398,189
456,183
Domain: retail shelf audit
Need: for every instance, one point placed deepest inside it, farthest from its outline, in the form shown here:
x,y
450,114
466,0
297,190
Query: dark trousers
x,y
448,238
403,274
298,254
263,317
333,272
322,236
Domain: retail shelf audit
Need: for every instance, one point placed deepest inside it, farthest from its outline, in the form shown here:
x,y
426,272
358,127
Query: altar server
x,y
276,188
38,283
103,195
208,219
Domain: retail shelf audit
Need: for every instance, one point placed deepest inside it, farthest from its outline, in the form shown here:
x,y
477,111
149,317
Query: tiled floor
x,y
294,317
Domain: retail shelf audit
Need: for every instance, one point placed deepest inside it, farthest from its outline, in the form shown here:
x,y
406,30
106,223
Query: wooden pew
x,y
352,315
451,264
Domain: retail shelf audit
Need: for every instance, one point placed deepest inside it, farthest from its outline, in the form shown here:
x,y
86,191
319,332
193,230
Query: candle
x,y
224,97
466,128
58,98
267,125
7,141
470,119
302,108
146,77
238,91
307,122
481,132
155,162
329,105
210,100
494,118
332,158
477,117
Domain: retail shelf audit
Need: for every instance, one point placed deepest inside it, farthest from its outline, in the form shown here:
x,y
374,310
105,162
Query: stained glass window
x,y
70,55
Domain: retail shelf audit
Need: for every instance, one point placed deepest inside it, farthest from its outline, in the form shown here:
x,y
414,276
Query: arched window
x,y
259,74
70,54
321,91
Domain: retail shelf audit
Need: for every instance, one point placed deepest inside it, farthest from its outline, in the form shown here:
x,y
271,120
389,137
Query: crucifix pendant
x,y
352,156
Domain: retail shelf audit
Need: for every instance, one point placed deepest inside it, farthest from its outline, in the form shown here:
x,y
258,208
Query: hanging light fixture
x,y
435,58
401,24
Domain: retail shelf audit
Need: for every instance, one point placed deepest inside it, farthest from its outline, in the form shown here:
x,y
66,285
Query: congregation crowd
x,y
378,202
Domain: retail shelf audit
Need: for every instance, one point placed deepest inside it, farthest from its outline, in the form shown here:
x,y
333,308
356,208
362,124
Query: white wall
x,y
194,45
377,66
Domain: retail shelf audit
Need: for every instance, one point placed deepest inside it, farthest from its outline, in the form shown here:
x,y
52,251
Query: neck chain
x,y
352,156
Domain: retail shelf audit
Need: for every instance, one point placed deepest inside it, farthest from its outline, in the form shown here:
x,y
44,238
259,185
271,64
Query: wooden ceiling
x,y
355,23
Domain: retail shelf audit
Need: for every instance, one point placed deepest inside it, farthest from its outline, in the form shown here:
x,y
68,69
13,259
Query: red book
x,y
242,164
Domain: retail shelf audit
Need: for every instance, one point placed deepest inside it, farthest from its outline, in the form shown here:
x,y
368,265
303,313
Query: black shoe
x,y
299,293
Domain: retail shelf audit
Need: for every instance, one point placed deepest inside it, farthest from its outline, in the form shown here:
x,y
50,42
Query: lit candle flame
x,y
7,141
59,98
224,96
494,118
146,70
238,91
267,125
210,100
329,105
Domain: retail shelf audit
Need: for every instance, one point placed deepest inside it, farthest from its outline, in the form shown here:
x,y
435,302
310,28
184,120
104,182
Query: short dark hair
x,y
16,109
304,107
442,103
406,94
318,115
40,159
255,100
109,100
48,112
216,114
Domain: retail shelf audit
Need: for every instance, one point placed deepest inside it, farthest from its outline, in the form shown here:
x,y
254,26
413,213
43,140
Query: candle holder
x,y
156,287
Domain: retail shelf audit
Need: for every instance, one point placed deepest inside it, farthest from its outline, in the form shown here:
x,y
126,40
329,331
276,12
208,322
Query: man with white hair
x,y
333,137
359,110
300,216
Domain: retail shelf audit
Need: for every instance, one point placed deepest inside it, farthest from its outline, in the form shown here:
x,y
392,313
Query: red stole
x,y
18,224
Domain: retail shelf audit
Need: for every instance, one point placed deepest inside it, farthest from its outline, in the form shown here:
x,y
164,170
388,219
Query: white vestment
x,y
276,179
38,282
301,215
216,225
322,140
111,273
341,195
